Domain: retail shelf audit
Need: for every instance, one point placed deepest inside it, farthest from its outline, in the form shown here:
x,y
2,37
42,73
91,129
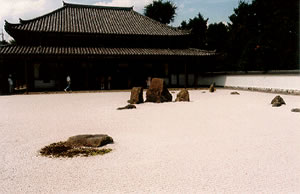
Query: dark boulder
x,y
90,140
212,87
277,101
136,96
158,92
183,95
129,106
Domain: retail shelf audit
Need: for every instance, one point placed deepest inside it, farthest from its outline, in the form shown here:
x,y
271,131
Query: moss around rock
x,y
80,145
63,149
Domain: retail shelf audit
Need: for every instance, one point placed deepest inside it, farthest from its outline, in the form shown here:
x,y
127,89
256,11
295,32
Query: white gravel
x,y
217,143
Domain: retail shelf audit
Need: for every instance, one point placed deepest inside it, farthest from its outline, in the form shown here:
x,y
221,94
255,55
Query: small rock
x,y
90,140
129,106
277,101
212,87
295,110
183,95
136,96
235,93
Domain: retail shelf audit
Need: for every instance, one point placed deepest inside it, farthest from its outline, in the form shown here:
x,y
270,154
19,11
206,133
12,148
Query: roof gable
x,y
75,18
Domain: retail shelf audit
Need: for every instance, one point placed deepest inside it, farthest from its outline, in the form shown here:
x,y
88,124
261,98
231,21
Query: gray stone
x,y
158,92
97,140
183,95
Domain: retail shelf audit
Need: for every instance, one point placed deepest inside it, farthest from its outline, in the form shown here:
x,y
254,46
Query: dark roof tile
x,y
72,18
34,50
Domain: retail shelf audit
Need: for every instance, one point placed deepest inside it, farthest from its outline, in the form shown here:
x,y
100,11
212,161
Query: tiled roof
x,y
82,51
73,18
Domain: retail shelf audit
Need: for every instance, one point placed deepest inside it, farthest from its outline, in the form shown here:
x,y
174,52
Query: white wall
x,y
274,81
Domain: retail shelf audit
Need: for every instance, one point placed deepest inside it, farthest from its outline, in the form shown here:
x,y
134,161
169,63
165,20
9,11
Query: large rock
x,y
136,96
277,101
183,95
90,140
212,87
158,92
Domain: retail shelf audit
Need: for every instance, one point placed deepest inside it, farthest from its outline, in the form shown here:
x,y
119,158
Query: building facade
x,y
100,48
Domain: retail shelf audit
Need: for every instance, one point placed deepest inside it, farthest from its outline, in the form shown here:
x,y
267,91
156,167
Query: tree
x,y
217,37
198,27
163,12
263,35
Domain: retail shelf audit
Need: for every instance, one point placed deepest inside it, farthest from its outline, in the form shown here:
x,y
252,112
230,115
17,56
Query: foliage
x,y
163,12
3,42
217,37
198,27
63,149
263,35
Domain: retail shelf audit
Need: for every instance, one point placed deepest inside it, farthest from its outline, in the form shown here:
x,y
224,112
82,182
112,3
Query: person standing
x,y
68,88
10,84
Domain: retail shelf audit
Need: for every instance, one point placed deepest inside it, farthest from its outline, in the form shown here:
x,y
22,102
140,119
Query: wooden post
x,y
26,75
185,76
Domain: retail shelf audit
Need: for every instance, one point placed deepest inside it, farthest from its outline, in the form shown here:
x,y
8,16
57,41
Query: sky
x,y
214,10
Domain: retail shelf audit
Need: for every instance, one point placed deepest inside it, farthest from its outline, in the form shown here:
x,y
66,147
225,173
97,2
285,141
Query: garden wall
x,y
273,81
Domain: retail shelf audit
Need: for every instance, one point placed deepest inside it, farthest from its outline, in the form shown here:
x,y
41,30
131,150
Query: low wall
x,y
276,81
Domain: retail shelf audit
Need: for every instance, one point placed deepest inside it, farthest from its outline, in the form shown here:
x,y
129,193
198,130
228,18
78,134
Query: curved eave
x,y
98,51
10,28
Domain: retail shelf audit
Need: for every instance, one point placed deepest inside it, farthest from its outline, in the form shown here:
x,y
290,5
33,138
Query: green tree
x,y
198,28
163,12
217,37
264,35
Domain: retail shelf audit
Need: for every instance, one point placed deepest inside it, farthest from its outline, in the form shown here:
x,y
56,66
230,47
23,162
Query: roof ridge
x,y
161,24
96,6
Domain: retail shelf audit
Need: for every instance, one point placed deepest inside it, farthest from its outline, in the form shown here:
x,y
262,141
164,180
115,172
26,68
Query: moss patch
x,y
64,149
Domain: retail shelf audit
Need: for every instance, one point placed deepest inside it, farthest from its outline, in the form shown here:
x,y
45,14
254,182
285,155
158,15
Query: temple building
x,y
99,48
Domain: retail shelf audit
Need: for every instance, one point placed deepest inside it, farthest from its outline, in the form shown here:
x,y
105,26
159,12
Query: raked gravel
x,y
217,143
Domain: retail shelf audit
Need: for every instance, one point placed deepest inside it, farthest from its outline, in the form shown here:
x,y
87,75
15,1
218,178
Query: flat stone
x,y
97,140
235,93
296,110
129,106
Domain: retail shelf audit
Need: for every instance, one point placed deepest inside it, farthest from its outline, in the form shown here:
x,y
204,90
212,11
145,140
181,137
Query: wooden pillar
x,y
87,65
26,75
177,75
185,76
